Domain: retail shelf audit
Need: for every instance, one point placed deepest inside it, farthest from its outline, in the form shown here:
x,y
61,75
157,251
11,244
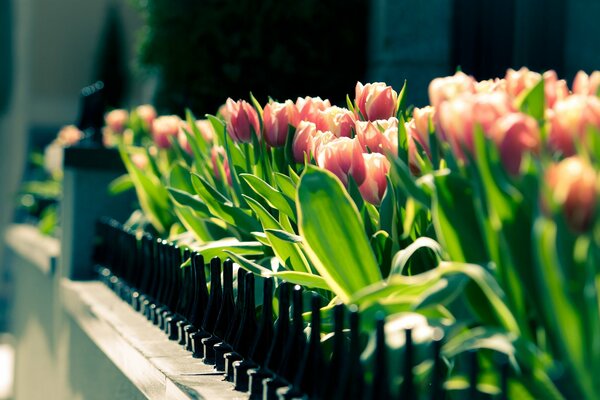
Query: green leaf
x,y
217,248
402,257
532,101
189,200
151,193
401,104
272,196
289,254
334,234
286,185
455,220
284,235
222,208
295,277
121,184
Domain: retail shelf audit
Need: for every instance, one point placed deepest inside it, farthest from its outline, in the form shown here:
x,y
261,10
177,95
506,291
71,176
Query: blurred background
x,y
196,53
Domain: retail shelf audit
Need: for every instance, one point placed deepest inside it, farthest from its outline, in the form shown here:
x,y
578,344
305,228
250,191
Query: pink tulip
x,y
147,113
206,130
343,157
376,100
276,118
422,118
574,187
140,160
303,140
69,135
320,139
447,88
339,121
217,153
569,120
413,151
163,128
491,85
116,120
371,135
373,187
309,108
241,119
518,81
515,134
554,89
457,118
586,85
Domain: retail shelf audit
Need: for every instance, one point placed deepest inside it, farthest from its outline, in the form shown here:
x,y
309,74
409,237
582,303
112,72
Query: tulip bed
x,y
476,214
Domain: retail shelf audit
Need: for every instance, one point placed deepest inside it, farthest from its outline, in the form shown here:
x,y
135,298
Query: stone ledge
x,y
160,368
27,241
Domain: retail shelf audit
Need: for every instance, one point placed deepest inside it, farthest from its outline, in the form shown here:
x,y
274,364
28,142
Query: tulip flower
x,y
413,151
69,135
373,187
515,134
241,119
343,157
206,130
320,139
518,81
421,118
303,140
140,160
147,113
337,120
372,135
457,118
569,121
490,85
585,84
217,153
573,185
309,108
376,100
163,128
447,88
276,118
116,120
554,89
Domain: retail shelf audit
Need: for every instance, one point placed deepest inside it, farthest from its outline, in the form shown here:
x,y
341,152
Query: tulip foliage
x,y
475,214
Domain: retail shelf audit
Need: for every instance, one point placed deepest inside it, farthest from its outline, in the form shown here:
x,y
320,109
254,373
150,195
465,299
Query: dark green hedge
x,y
208,50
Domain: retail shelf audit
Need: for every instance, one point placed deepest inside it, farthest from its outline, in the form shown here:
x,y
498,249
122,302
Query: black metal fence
x,y
265,356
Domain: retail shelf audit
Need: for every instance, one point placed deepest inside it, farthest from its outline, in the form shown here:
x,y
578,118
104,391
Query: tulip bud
x,y
491,85
206,130
277,117
554,89
413,152
422,117
447,88
343,157
217,153
376,100
147,113
320,139
241,119
515,134
587,85
339,121
574,187
518,81
116,120
569,121
457,118
309,108
372,135
373,187
303,140
69,135
140,160
163,128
